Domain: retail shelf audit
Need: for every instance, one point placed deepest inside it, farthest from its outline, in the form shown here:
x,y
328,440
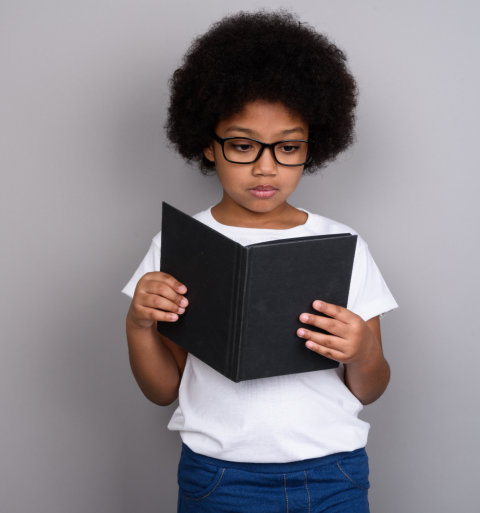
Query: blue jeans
x,y
333,484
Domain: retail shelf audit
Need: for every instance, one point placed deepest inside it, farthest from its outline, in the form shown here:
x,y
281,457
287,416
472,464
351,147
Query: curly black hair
x,y
268,56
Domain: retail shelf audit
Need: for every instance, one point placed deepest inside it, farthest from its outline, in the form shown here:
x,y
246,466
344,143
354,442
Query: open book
x,y
244,301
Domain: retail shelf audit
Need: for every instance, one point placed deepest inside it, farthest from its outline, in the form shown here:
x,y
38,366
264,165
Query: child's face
x,y
261,187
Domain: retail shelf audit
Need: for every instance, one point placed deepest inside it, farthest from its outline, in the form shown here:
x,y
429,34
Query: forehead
x,y
263,119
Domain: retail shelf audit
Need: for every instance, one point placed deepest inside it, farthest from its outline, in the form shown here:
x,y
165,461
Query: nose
x,y
266,164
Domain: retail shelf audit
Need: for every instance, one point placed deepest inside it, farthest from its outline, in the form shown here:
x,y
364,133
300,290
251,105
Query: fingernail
x,y
317,304
309,345
184,302
300,332
173,317
182,289
304,317
181,310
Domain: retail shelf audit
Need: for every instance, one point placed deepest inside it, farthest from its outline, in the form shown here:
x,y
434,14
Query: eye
x,y
240,145
288,147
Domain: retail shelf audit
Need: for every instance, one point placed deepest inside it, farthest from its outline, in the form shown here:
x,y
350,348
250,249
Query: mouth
x,y
263,191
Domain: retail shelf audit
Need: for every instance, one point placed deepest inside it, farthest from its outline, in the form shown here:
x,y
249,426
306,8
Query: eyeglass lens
x,y
244,151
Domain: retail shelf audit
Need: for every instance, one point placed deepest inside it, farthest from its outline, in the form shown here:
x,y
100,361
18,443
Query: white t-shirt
x,y
283,418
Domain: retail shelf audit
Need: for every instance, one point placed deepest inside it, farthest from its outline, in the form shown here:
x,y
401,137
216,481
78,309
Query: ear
x,y
208,153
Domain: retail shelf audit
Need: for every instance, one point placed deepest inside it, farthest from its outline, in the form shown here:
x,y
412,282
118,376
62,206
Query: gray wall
x,y
84,163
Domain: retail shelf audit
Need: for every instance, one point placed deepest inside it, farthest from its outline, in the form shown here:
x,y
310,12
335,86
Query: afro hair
x,y
268,56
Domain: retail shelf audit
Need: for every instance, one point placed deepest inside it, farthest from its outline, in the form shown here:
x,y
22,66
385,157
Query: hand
x,y
158,297
349,339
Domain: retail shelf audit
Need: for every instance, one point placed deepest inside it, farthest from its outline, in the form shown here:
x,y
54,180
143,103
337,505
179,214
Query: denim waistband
x,y
271,468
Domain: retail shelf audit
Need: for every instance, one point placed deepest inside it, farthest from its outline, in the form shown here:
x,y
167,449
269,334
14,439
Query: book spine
x,y
236,326
242,307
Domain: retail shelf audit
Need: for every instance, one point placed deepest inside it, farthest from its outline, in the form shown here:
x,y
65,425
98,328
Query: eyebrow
x,y
250,132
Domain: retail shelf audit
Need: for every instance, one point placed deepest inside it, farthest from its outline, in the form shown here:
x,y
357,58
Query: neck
x,y
283,217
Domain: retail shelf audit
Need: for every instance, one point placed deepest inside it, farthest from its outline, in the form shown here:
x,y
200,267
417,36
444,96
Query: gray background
x,y
84,163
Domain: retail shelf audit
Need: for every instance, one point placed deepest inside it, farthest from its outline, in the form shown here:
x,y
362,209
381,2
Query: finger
x,y
328,341
156,315
334,311
160,303
163,289
175,284
328,352
167,278
329,324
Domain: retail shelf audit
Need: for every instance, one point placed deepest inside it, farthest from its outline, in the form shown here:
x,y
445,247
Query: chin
x,y
263,208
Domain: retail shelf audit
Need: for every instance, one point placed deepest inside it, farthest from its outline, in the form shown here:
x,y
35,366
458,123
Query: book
x,y
245,301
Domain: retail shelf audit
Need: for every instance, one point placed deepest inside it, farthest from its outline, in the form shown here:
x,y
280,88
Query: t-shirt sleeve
x,y
369,295
150,263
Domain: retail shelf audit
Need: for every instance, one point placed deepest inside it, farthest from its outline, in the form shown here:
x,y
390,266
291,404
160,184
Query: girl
x,y
262,99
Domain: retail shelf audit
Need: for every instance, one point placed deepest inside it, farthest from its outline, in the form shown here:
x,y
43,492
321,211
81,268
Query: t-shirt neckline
x,y
240,229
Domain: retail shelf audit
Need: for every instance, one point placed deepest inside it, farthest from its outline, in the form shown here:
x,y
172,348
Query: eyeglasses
x,y
244,150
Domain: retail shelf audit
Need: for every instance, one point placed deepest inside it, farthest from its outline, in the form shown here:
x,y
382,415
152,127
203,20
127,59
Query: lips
x,y
263,191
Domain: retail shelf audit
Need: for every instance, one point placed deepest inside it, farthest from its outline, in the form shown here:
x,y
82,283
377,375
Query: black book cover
x,y
244,301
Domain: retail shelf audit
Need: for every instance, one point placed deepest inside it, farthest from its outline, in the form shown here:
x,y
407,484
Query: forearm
x,y
152,363
368,379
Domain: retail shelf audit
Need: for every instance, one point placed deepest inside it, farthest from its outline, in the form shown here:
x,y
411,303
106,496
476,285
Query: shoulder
x,y
324,225
321,225
369,295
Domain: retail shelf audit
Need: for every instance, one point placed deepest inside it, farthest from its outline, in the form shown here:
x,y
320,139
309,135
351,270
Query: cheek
x,y
295,179
229,181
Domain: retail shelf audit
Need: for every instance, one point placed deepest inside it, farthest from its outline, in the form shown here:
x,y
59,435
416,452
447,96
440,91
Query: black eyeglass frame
x,y
263,145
